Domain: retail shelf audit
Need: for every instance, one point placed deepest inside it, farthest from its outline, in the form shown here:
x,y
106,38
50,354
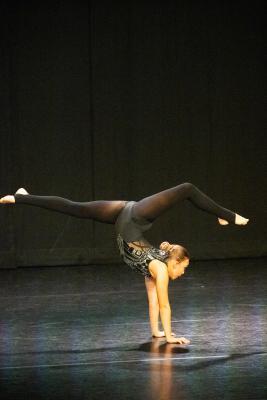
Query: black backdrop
x,y
117,100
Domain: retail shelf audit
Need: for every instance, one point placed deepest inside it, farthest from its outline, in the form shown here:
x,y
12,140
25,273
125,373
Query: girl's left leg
x,y
153,206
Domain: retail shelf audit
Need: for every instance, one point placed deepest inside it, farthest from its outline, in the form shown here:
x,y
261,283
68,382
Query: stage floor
x,y
83,333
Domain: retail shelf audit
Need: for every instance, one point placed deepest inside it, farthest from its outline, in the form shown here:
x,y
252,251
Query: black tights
x,y
149,208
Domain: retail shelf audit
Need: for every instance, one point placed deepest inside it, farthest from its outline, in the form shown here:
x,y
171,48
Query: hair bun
x,y
166,246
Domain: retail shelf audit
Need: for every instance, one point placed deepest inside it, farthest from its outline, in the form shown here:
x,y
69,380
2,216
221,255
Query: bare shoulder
x,y
157,268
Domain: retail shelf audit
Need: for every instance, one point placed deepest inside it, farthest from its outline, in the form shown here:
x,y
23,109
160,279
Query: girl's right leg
x,y
102,211
153,206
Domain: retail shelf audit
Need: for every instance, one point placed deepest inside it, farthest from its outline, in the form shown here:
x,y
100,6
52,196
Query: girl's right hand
x,y
179,340
7,199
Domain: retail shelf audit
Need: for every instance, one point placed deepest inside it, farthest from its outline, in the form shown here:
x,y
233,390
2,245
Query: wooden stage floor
x,y
83,333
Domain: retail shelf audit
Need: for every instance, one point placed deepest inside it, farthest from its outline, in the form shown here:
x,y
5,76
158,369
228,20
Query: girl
x,y
131,219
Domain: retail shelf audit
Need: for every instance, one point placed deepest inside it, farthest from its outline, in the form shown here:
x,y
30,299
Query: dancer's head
x,y
178,259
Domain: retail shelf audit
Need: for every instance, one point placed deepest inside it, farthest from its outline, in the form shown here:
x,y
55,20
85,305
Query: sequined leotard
x,y
129,229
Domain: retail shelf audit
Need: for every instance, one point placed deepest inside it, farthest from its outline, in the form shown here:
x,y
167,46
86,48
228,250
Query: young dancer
x,y
131,219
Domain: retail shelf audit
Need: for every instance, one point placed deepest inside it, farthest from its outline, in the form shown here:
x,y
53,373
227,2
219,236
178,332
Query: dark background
x,y
118,100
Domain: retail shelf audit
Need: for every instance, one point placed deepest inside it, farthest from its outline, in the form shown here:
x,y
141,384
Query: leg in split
x,y
102,211
153,206
149,208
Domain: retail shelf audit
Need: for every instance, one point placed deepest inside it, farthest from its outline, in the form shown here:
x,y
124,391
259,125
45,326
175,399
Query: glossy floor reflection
x,y
83,333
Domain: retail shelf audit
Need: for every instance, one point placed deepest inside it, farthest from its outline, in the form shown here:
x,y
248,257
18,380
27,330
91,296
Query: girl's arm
x,y
160,274
153,305
162,283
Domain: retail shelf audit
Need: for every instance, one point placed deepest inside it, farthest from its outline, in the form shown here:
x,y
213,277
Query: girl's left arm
x,y
153,305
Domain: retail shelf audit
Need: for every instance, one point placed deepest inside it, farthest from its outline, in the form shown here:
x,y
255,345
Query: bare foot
x,y
7,199
223,221
21,191
10,199
240,220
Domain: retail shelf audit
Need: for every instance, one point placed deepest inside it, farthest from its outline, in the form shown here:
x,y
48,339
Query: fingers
x,y
183,340
180,340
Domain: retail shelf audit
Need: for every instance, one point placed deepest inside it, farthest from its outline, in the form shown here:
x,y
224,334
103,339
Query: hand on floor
x,y
180,340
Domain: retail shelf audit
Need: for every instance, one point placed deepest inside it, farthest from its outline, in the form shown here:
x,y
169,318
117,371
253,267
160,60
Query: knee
x,y
188,186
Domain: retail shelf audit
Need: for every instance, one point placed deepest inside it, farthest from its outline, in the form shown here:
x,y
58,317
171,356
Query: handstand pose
x,y
131,219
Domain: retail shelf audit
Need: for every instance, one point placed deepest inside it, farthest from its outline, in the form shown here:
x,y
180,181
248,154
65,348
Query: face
x,y
177,267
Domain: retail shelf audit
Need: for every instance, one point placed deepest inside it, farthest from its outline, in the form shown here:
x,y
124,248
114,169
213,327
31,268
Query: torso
x,y
138,255
135,250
